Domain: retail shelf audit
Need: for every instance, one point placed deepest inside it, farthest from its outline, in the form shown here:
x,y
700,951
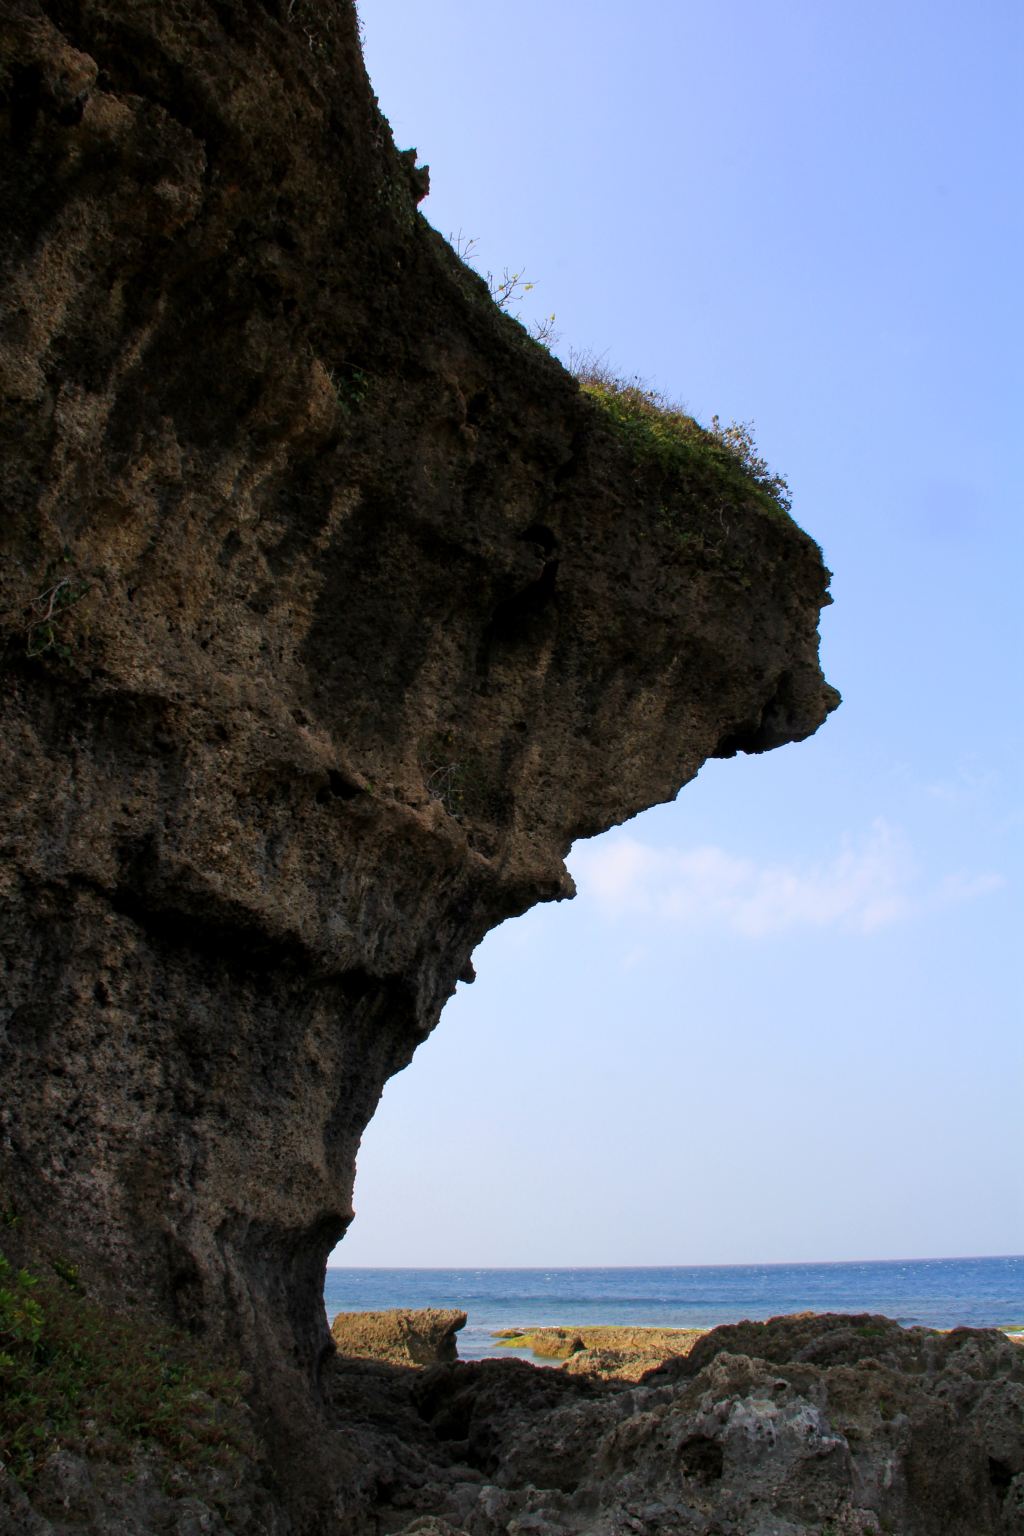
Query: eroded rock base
x,y
805,1426
801,1426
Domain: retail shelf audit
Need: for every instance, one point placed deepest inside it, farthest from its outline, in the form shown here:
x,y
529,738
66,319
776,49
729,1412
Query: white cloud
x,y
952,890
966,783
867,885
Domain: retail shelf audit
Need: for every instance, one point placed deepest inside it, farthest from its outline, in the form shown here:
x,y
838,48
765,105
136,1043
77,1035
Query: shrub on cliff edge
x,y
662,433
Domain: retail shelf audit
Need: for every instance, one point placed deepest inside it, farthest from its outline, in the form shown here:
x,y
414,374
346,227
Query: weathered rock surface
x,y
331,614
851,1426
847,1425
400,1336
73,1494
624,1354
547,1343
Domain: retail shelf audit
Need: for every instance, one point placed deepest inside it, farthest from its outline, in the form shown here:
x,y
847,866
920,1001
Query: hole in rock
x,y
999,1474
538,534
338,787
477,408
702,1459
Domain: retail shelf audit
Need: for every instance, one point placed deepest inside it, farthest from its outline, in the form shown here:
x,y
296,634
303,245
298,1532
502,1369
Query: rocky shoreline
x,y
798,1426
605,1350
627,1353
809,1425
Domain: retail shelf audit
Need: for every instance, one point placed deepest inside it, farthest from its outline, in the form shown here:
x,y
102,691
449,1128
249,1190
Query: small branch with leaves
x,y
507,291
42,619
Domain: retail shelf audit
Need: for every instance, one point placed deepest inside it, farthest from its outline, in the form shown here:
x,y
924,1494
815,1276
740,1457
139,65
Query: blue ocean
x,y
938,1293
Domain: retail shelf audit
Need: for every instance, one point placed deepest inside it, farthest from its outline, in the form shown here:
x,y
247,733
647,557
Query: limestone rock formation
x,y
332,613
851,1426
613,1353
627,1355
399,1336
546,1343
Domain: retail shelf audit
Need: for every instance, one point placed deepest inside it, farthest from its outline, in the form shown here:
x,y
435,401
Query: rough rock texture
x,y
625,1354
331,614
399,1336
546,1343
368,615
846,1425
74,1494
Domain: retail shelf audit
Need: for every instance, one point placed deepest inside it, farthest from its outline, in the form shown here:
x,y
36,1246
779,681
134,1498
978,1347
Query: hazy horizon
x,y
935,1258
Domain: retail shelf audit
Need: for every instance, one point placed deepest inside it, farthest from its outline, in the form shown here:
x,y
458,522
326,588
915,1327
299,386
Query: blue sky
x,y
782,1020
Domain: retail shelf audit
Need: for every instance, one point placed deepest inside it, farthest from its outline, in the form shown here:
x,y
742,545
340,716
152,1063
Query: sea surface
x,y
938,1293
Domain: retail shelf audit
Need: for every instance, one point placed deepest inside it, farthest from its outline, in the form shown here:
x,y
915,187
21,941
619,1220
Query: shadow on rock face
x,y
850,1425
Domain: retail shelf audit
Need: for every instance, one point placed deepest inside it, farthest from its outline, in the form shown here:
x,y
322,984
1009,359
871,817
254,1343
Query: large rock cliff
x,y
332,611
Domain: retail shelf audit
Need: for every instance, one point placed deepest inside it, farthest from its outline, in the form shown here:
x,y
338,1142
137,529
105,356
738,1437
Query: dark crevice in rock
x,y
1000,1475
338,787
702,1459
538,534
511,623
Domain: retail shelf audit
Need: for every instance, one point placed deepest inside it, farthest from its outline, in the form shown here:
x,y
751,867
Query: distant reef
x,y
607,1351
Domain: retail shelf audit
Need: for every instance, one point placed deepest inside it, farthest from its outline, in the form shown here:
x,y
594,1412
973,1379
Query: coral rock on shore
x,y
623,1354
850,1426
399,1336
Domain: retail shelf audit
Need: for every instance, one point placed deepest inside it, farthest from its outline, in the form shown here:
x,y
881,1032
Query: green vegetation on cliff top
x,y
719,465
708,461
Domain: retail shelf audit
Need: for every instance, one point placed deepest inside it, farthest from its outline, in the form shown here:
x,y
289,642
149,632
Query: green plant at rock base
x,y
718,461
74,1375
